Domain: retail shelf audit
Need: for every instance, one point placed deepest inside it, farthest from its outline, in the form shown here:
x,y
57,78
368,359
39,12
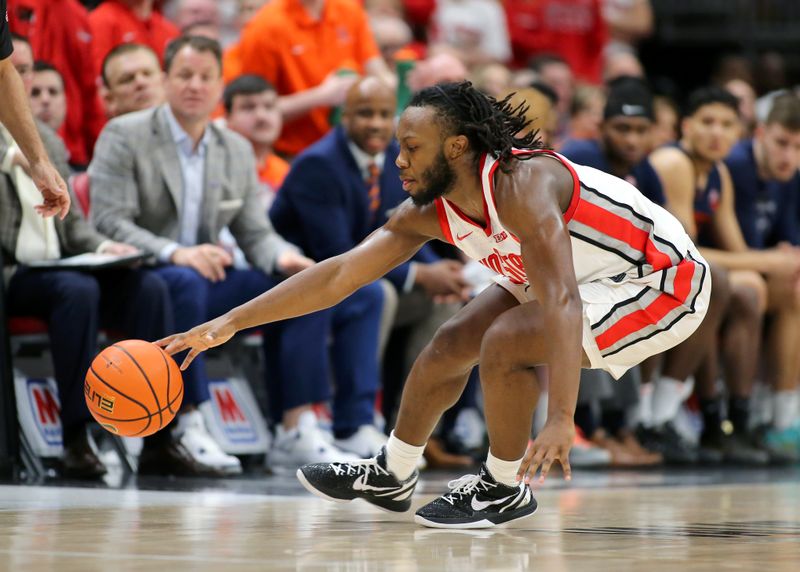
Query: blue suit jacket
x,y
322,205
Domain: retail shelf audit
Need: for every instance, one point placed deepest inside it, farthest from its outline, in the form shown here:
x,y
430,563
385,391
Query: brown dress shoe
x,y
80,460
172,458
438,458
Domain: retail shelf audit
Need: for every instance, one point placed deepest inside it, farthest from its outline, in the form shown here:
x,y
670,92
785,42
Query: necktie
x,y
374,190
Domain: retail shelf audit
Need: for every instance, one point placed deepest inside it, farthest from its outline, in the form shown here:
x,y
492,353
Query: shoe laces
x,y
365,467
466,485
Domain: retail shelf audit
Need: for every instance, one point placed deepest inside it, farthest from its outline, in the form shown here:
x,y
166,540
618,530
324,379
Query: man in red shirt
x,y
58,31
573,29
124,21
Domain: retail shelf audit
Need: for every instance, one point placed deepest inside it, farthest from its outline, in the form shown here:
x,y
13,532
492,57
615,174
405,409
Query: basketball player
x,y
582,258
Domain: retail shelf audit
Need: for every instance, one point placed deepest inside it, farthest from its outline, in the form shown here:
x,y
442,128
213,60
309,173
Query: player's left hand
x,y
551,445
199,339
53,189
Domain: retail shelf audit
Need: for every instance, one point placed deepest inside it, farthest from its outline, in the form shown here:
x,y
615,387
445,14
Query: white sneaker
x,y
366,442
192,434
304,444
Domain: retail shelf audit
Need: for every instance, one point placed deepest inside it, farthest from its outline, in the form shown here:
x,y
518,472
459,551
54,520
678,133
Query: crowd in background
x,y
239,142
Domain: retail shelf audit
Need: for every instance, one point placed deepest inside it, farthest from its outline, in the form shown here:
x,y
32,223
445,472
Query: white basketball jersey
x,y
615,231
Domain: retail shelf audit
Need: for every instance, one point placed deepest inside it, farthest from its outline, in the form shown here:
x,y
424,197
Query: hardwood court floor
x,y
632,521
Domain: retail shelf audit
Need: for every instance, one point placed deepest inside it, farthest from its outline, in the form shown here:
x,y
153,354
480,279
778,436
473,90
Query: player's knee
x,y
454,340
749,300
497,340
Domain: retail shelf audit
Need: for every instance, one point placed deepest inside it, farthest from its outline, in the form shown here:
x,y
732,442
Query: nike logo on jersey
x,y
483,505
460,237
360,484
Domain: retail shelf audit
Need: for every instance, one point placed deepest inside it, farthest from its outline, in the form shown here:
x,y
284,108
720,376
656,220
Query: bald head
x,y
368,115
368,88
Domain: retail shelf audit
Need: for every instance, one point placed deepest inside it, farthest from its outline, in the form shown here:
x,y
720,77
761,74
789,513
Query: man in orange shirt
x,y
299,46
123,21
251,109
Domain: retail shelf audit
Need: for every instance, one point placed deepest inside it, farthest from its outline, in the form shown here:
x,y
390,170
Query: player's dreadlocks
x,y
491,126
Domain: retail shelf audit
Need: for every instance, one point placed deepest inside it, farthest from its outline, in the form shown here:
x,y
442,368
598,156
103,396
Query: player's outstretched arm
x,y
15,114
318,287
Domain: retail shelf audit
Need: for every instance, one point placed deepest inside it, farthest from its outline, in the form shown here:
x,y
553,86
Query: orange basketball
x,y
133,388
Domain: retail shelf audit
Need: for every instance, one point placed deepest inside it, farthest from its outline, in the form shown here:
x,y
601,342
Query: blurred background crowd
x,y
237,142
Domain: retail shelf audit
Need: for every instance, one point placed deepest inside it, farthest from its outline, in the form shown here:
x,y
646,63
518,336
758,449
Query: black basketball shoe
x,y
477,501
368,479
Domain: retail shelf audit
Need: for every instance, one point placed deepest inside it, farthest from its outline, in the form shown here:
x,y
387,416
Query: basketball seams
x,y
165,357
149,384
120,393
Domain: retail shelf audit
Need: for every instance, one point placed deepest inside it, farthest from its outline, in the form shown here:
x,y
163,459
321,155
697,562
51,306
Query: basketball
x,y
133,388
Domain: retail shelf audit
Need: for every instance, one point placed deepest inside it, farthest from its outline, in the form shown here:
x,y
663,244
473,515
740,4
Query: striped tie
x,y
374,192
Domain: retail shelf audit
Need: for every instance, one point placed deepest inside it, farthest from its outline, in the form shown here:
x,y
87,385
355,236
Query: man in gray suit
x,y
74,304
168,180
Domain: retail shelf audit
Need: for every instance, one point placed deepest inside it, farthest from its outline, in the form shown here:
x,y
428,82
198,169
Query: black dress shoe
x,y
80,460
170,458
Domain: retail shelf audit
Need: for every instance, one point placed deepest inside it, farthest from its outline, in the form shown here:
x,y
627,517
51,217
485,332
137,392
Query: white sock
x,y
668,394
402,458
504,472
784,409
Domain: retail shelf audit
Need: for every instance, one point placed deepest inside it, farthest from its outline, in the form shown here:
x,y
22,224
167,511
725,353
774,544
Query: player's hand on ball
x,y
199,339
552,444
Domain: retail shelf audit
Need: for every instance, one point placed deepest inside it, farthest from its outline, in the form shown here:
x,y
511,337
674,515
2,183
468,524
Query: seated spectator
x,y
553,71
251,109
48,102
117,22
74,304
699,192
586,113
624,140
767,188
132,79
148,184
340,190
312,52
476,29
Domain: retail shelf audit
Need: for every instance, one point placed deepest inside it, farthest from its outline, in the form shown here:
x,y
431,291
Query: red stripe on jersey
x,y
442,215
623,230
654,312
